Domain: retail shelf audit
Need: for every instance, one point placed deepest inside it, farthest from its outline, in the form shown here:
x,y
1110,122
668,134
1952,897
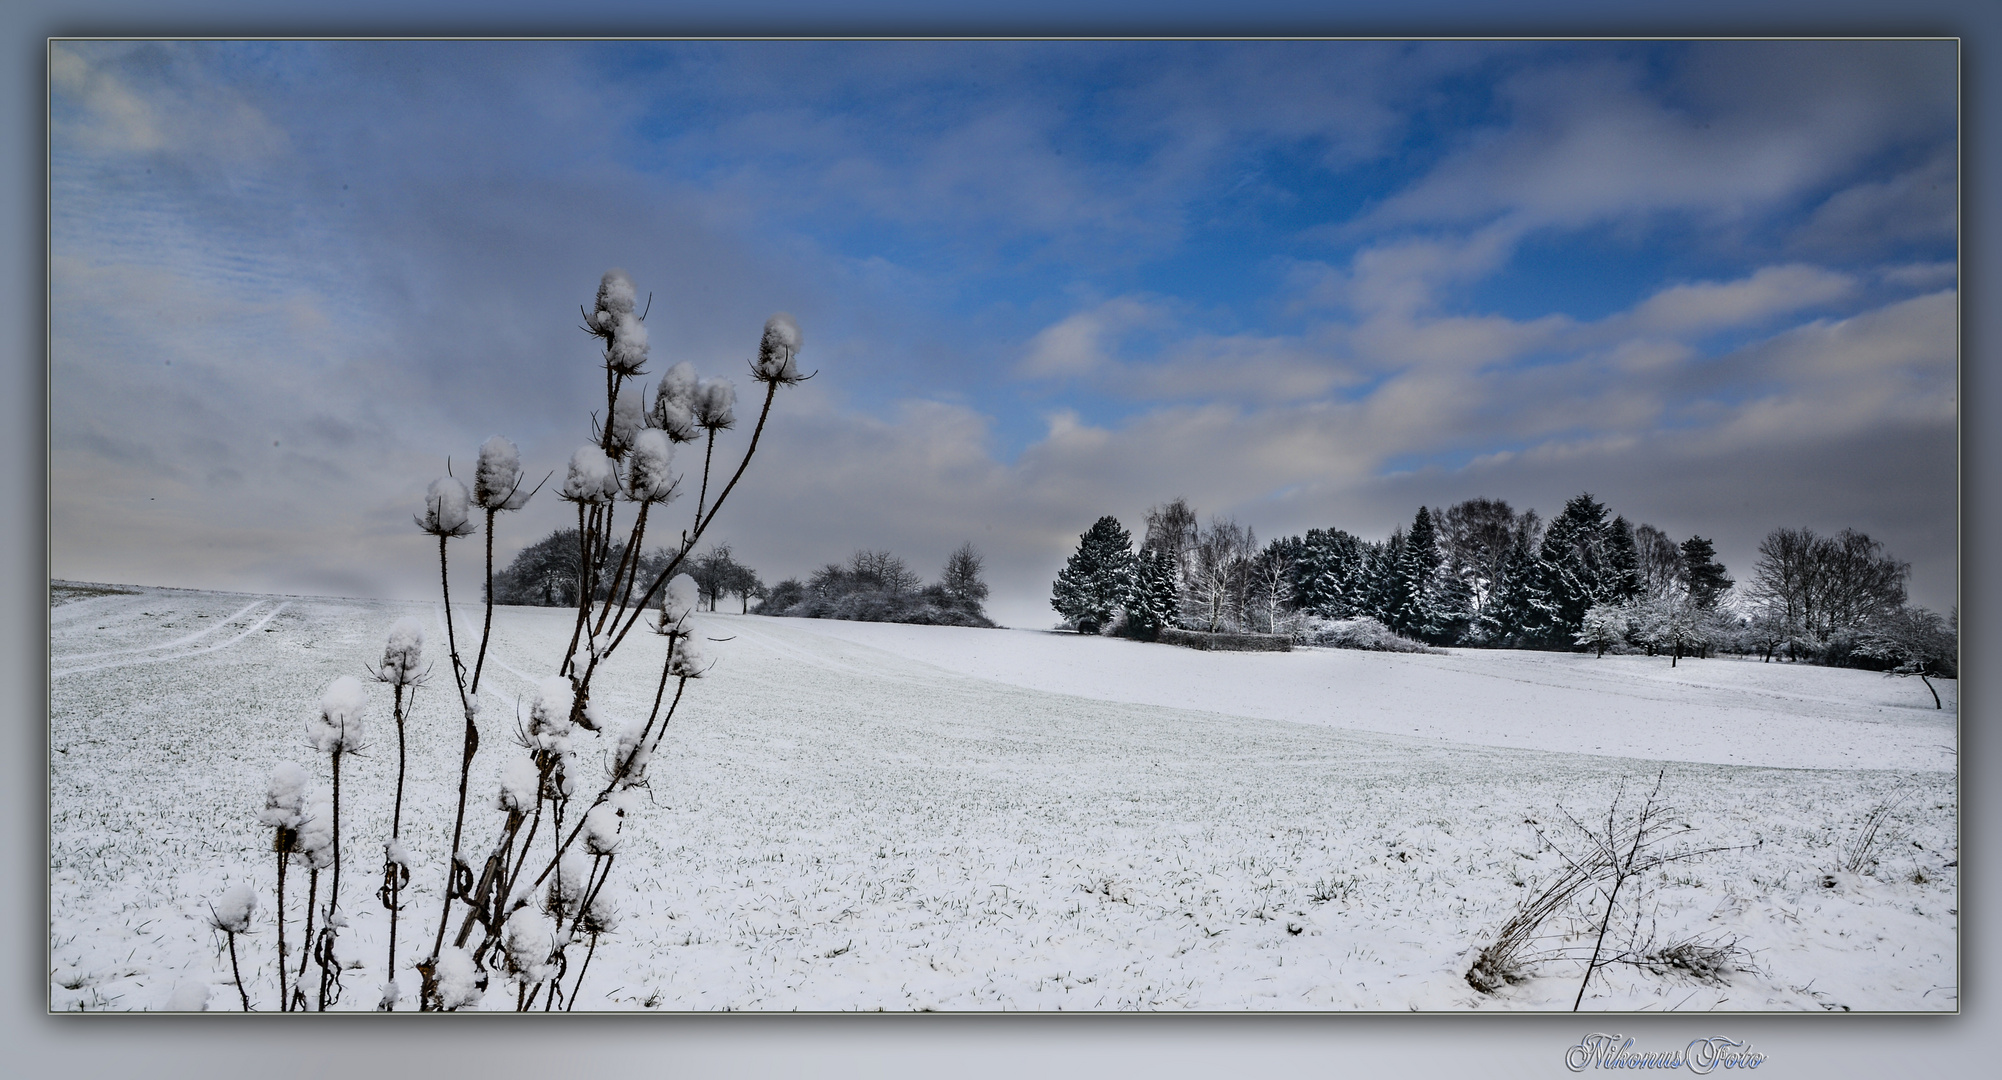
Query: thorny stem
x,y
284,1003
306,952
583,587
391,868
237,972
472,745
702,522
487,629
708,455
334,889
572,1002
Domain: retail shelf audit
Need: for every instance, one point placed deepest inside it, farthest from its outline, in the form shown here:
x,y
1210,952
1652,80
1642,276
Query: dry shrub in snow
x,y
1604,886
532,915
1359,633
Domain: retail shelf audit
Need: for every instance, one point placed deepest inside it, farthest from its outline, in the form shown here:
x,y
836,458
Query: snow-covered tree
x,y
961,578
1604,626
1093,585
1915,642
1155,596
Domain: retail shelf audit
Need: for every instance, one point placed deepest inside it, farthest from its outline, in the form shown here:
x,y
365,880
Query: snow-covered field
x,y
857,816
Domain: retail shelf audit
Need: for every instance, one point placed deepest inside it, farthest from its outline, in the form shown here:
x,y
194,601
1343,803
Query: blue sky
x,y
1300,283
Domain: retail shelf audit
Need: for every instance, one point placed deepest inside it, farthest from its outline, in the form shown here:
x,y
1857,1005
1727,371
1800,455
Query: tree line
x,y
876,586
549,573
1482,574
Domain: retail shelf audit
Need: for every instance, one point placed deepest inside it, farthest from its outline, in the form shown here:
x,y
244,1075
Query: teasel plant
x,y
540,892
339,732
402,671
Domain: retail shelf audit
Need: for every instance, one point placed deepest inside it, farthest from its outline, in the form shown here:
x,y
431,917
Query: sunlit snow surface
x,y
850,816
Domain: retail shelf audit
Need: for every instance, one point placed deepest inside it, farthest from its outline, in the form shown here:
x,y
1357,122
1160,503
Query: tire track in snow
x,y
174,644
218,647
77,609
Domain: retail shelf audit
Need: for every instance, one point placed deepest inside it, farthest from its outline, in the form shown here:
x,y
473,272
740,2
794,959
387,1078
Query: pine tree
x,y
1154,598
1416,570
1327,575
1707,579
1573,571
1623,564
1094,584
1508,618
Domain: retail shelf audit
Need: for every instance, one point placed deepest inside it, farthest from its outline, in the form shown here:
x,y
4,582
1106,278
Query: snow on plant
x,y
402,656
560,823
285,811
340,731
230,913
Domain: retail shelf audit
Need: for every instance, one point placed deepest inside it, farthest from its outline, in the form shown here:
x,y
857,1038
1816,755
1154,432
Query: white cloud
x,y
1703,307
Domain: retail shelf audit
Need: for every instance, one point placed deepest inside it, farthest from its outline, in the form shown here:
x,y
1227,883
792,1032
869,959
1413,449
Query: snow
x,y
230,912
458,978
340,726
1721,711
403,654
616,294
682,596
628,416
859,816
715,403
497,478
650,469
777,349
284,796
591,477
445,506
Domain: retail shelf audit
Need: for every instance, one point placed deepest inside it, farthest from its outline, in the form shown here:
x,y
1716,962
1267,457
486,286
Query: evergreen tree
x,y
1095,582
1623,566
1382,592
1707,579
1573,571
1154,599
1326,577
1512,597
1416,572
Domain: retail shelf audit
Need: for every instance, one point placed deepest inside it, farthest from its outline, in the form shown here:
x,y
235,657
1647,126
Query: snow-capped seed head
x,y
716,404
776,351
674,403
520,782
691,661
456,978
550,712
497,480
565,893
650,467
679,603
340,727
284,796
628,418
231,911
602,915
601,829
529,944
616,294
403,655
445,508
677,420
630,760
316,831
679,384
592,479
626,353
